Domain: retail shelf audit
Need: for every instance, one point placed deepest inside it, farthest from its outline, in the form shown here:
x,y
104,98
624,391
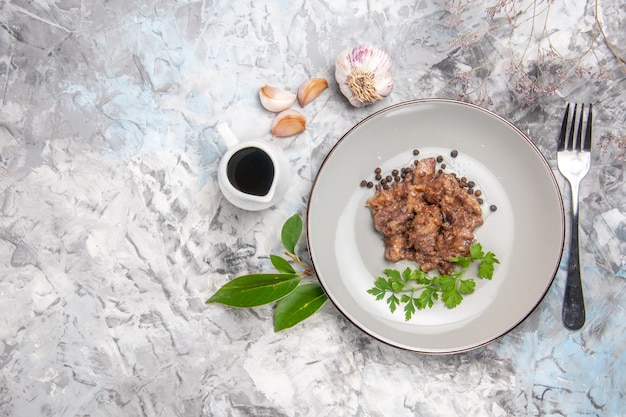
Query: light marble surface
x,y
113,231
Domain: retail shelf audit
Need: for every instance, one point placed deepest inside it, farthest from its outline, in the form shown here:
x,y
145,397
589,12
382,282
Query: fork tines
x,y
571,138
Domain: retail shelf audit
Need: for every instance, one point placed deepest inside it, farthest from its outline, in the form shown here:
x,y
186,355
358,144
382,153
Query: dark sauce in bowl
x,y
251,171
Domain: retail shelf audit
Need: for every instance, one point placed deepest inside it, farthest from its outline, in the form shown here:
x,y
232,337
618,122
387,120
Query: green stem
x,y
308,270
409,288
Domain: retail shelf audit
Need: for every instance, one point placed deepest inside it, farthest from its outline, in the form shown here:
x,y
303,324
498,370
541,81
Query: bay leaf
x,y
255,289
282,265
290,233
303,302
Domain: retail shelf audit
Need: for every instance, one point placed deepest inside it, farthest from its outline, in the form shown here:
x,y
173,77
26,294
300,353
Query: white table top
x,y
113,231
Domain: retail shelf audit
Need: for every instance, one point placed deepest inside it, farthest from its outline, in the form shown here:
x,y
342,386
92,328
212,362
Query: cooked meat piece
x,y
392,219
424,171
428,218
396,248
425,228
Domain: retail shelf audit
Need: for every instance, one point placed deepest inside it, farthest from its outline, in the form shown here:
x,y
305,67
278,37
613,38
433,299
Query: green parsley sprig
x,y
416,289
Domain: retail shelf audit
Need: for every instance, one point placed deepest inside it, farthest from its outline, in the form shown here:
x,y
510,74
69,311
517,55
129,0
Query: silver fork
x,y
574,159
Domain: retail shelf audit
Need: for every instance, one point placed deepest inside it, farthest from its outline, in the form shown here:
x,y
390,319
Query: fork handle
x,y
573,303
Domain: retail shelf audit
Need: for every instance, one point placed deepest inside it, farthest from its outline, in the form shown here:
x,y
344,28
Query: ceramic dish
x,y
526,232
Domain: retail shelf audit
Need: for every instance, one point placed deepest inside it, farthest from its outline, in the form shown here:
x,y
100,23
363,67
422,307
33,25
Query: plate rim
x,y
541,158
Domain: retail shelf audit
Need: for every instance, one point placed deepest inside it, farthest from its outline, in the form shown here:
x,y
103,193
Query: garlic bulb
x,y
364,74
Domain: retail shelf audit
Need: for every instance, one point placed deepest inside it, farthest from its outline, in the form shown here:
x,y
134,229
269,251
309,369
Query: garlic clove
x,y
363,74
288,123
310,90
276,99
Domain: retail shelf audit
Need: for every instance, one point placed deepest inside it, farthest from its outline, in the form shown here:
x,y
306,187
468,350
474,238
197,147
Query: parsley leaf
x,y
467,286
417,290
487,266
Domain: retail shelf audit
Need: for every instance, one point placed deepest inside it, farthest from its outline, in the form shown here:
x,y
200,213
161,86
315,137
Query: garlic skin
x,y
364,74
288,123
311,89
276,99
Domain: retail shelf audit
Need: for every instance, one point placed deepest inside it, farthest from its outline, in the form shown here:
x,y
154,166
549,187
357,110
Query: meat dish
x,y
429,216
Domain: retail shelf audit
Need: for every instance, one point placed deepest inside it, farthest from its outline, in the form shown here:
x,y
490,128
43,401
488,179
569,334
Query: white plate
x,y
526,232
